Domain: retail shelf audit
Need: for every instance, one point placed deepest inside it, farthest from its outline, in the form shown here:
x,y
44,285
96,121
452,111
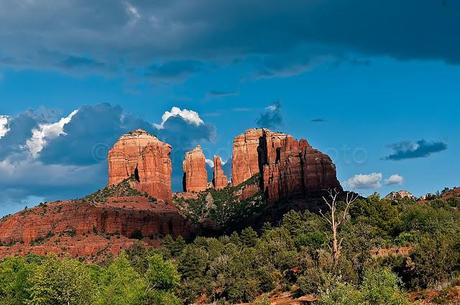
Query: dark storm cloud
x,y
411,150
271,117
174,70
20,130
90,134
138,33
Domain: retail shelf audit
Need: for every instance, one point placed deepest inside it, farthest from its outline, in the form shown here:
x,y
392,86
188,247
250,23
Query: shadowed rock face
x,y
195,174
288,167
147,159
219,180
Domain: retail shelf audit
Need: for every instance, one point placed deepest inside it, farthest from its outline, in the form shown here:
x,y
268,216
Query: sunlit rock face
x,y
245,158
219,179
195,174
144,158
288,167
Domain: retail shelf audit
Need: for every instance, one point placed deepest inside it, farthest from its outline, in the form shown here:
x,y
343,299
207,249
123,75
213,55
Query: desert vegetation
x,y
389,250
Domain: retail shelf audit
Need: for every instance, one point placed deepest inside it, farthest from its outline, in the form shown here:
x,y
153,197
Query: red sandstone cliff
x,y
289,167
82,228
219,179
147,159
195,174
245,158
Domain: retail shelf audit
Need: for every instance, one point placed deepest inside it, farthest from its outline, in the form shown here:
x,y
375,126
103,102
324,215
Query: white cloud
x,y
133,12
394,179
363,181
46,132
189,116
3,125
210,162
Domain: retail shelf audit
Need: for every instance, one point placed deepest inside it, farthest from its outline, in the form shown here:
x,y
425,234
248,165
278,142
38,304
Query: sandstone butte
x,y
147,159
219,179
288,167
195,174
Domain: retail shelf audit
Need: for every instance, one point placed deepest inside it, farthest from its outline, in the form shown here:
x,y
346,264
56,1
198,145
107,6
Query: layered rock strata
x,y
87,228
288,167
219,179
195,174
143,157
245,158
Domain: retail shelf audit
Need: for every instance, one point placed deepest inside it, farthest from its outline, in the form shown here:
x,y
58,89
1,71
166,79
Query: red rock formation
x,y
245,158
289,167
124,155
282,167
75,227
219,180
195,174
319,172
292,167
154,171
147,159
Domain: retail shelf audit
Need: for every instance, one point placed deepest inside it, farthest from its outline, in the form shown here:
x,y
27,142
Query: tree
x,y
380,287
61,281
14,281
162,278
120,284
336,217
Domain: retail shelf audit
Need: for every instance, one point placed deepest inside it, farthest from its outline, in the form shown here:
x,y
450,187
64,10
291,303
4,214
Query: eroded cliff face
x,y
195,174
219,179
154,170
82,228
245,158
288,167
147,159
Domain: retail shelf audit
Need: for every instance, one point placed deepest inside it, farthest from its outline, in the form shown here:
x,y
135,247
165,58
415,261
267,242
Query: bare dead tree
x,y
336,217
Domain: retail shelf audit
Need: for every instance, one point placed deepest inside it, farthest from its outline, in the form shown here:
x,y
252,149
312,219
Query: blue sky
x,y
373,84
